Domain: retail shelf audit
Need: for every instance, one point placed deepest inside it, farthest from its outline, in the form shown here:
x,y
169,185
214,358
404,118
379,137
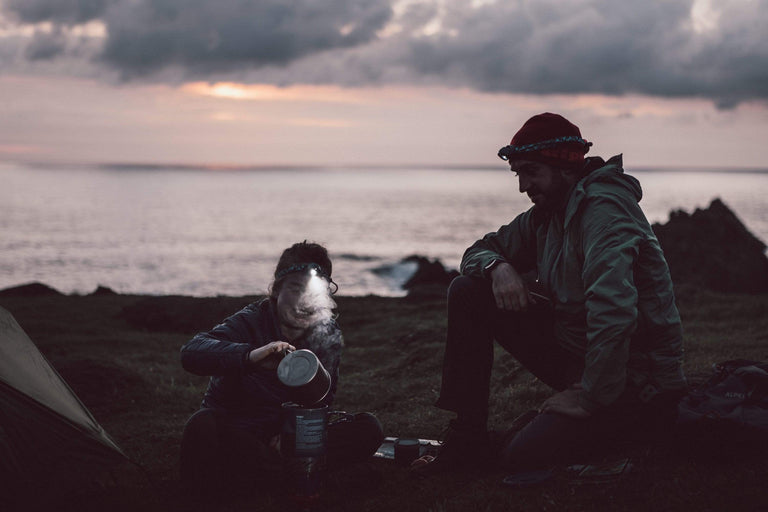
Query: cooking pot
x,y
303,372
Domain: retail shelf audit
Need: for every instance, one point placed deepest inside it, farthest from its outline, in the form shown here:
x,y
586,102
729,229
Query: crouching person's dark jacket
x,y
251,393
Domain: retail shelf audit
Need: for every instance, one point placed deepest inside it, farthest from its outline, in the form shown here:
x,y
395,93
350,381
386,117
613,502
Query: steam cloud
x,y
323,337
316,301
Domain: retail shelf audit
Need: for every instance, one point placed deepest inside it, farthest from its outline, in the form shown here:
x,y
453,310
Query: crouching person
x,y
233,442
603,330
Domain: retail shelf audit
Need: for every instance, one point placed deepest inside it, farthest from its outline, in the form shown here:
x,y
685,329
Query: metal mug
x,y
406,451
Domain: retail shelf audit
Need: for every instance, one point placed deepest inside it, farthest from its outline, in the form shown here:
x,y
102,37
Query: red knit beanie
x,y
548,138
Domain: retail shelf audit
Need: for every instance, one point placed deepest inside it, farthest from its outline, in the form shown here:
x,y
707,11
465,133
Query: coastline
x,y
62,234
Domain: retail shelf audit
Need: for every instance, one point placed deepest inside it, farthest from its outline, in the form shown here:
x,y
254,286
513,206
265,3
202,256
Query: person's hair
x,y
297,255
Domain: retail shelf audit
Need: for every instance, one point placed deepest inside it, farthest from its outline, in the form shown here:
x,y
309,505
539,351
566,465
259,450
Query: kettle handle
x,y
343,417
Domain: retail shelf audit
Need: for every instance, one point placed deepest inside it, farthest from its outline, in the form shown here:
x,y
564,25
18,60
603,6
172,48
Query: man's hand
x,y
509,289
259,355
566,403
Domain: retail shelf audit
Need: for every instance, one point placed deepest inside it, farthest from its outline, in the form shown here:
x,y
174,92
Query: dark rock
x,y
103,290
29,290
430,278
711,248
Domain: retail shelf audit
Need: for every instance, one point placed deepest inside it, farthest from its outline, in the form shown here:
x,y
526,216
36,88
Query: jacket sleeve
x,y
611,240
514,243
222,350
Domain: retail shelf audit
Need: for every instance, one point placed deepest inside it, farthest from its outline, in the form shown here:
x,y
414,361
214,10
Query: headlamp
x,y
313,269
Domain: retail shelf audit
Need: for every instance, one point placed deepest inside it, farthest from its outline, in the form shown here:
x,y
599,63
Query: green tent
x,y
49,441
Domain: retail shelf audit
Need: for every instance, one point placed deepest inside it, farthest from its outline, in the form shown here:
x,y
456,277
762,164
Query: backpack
x,y
735,397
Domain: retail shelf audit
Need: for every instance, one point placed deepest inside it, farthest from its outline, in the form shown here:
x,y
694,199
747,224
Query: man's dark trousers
x,y
474,322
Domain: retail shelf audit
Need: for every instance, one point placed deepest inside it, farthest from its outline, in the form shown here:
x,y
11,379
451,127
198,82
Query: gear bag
x,y
735,396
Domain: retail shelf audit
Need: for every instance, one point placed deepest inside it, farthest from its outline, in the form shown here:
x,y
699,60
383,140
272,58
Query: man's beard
x,y
555,198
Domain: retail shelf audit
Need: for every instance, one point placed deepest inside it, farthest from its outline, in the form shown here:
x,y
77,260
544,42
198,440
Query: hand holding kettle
x,y
270,355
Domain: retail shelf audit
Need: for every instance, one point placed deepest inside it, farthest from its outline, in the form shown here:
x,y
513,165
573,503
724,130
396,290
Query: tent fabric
x,y
46,433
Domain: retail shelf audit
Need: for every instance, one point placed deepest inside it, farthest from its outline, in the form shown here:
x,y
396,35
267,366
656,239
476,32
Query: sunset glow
x,y
266,92
388,82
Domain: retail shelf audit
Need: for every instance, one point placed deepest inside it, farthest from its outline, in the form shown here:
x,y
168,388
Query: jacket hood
x,y
604,176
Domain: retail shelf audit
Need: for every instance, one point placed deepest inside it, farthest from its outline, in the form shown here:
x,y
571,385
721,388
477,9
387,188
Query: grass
x,y
116,354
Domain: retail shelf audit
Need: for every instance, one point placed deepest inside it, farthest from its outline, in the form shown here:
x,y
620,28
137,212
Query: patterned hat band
x,y
552,148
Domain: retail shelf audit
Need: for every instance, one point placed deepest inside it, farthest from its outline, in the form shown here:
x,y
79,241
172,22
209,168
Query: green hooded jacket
x,y
603,269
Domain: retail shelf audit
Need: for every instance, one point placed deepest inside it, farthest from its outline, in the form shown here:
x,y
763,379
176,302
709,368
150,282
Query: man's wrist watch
x,y
489,267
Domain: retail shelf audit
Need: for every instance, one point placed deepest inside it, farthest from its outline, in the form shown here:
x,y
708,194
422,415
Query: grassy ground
x,y
113,353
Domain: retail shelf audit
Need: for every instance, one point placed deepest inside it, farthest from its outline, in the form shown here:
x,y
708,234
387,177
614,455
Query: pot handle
x,y
343,417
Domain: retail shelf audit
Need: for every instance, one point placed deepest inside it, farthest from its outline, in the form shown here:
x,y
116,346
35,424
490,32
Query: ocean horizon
x,y
212,230
241,167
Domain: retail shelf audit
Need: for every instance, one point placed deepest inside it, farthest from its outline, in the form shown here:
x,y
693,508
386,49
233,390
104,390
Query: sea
x,y
165,230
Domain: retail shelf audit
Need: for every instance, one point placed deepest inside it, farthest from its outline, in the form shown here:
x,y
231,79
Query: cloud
x,y
601,46
57,11
45,45
674,48
206,36
203,36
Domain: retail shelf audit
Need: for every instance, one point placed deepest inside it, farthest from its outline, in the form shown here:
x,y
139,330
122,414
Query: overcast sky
x,y
666,82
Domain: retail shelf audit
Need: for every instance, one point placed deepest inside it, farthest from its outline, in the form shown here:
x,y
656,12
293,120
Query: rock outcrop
x,y
430,278
711,248
103,290
29,290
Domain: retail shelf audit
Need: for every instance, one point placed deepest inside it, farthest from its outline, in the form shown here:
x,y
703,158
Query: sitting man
x,y
233,440
603,329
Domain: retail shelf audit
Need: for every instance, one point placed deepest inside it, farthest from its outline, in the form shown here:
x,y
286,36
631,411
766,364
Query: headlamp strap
x,y
300,267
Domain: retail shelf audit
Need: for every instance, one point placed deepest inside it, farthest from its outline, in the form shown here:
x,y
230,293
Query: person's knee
x,y
199,457
468,289
461,285
201,424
